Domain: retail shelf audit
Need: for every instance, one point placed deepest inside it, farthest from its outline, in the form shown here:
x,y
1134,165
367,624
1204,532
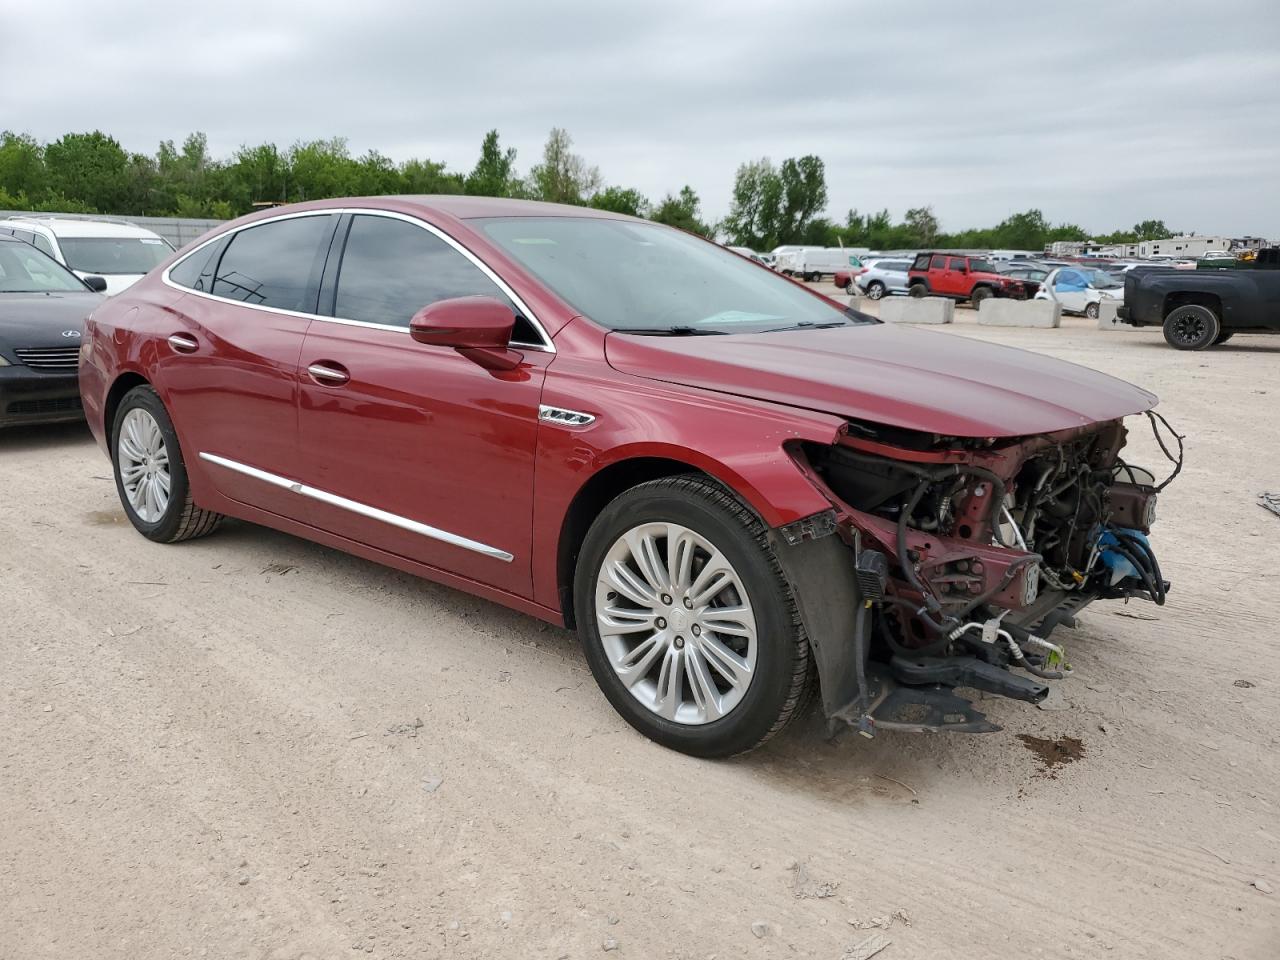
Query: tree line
x,y
772,204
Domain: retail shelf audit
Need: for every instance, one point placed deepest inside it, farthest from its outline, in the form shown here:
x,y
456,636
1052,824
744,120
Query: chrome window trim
x,y
547,346
363,509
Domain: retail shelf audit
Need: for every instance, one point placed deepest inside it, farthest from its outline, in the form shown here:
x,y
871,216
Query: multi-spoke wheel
x,y
1191,327
687,622
151,476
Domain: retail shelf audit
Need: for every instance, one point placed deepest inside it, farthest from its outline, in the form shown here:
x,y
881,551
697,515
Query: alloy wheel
x,y
676,623
1189,329
143,461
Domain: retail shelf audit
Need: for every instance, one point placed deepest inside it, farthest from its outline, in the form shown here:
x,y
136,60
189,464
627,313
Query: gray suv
x,y
883,277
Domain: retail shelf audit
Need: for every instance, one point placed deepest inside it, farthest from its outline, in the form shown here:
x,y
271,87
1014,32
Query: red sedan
x,y
735,489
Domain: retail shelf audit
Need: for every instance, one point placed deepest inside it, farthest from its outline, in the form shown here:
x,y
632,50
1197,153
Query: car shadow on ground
x,y
41,436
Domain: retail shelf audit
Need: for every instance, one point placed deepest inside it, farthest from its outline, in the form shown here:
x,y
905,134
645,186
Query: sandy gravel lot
x,y
250,746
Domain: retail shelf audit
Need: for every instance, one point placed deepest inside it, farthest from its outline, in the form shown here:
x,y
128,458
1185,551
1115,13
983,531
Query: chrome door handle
x,y
329,374
184,343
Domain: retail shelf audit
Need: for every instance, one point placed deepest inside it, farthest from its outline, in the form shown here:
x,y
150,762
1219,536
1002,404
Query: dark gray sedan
x,y
42,311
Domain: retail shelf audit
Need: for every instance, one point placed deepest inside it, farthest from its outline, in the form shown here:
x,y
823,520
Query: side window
x,y
938,263
921,262
959,263
187,273
275,265
391,269
25,235
42,244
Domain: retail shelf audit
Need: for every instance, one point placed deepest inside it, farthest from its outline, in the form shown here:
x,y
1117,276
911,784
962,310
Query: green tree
x,y
562,176
773,206
923,226
681,210
90,167
22,169
427,177
621,200
1151,230
494,174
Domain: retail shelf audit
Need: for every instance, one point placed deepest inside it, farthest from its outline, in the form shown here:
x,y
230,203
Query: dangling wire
x,y
1156,421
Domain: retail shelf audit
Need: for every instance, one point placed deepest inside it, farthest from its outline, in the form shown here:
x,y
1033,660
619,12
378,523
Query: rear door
x,y
228,360
414,449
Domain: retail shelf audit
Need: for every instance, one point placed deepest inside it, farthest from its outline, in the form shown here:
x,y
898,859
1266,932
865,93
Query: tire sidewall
x,y
1213,326
1092,310
917,291
875,290
755,716
166,527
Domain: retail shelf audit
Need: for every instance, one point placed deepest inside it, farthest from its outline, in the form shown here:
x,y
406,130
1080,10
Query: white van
x,y
813,263
116,250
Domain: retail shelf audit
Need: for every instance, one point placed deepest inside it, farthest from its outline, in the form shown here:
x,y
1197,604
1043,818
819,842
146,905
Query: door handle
x,y
328,373
184,343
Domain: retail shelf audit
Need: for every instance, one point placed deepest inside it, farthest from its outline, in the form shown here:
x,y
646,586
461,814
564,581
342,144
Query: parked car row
x,y
118,251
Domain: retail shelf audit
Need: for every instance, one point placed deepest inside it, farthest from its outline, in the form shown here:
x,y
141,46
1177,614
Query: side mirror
x,y
96,284
479,328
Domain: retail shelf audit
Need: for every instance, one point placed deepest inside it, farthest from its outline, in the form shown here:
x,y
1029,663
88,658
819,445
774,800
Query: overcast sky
x,y
1099,113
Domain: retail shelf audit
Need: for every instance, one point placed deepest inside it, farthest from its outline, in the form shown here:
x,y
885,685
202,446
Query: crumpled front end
x,y
970,552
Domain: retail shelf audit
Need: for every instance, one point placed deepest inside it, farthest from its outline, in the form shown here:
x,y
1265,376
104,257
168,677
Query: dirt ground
x,y
251,746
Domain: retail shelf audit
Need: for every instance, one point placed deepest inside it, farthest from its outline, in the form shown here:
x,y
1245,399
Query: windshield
x,y
113,255
1100,279
24,269
645,278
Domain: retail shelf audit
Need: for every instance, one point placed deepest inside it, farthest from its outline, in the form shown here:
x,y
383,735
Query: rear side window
x,y
275,265
191,273
938,263
921,262
42,243
391,269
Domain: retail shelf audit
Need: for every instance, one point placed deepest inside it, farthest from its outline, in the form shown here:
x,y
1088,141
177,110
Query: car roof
x,y
469,208
80,227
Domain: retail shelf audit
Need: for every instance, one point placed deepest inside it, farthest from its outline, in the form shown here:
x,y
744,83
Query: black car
x,y
42,311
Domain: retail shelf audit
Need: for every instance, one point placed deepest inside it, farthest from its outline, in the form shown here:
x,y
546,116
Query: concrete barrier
x,y
911,310
858,302
1107,319
1003,312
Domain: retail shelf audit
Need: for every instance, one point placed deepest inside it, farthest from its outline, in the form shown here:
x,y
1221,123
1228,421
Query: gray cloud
x,y
1099,113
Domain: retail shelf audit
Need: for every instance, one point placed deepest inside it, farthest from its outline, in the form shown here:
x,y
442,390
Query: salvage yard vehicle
x,y
42,307
117,250
1080,290
883,277
961,278
731,486
1198,309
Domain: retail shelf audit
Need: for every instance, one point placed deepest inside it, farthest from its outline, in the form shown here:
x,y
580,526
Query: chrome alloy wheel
x,y
676,623
143,461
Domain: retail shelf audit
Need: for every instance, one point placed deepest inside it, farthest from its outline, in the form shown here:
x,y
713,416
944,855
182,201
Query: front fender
x,y
739,441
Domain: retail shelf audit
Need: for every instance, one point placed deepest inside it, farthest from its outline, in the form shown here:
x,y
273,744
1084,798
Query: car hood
x,y
914,379
40,319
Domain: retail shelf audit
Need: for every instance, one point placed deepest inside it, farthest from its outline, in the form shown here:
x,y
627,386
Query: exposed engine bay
x,y
970,552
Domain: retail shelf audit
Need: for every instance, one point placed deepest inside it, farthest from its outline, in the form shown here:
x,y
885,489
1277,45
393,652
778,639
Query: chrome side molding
x,y
394,519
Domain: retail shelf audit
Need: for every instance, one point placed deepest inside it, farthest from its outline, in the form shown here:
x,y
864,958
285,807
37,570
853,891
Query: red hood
x,y
915,379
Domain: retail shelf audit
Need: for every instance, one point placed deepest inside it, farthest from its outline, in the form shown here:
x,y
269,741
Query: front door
x,y
957,276
409,448
1071,289
229,363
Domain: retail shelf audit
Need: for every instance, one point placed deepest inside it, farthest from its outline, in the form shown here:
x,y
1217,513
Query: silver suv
x,y
883,277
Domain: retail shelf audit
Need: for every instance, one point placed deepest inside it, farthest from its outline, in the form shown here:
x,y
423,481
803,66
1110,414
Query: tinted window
x,y
42,243
921,263
938,263
959,263
187,273
276,264
897,266
391,269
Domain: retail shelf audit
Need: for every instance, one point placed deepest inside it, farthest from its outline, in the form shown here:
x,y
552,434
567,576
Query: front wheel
x,y
875,290
850,288
686,620
150,474
1091,311
1191,327
980,294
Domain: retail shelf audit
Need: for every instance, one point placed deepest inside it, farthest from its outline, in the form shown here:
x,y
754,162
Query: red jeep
x,y
961,278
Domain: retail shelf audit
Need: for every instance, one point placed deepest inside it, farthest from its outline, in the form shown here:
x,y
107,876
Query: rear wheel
x,y
686,620
918,290
875,290
978,295
1191,327
850,287
151,476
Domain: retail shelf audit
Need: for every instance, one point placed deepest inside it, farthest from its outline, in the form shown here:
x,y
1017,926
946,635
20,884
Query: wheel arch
x,y
125,382
1183,298
592,497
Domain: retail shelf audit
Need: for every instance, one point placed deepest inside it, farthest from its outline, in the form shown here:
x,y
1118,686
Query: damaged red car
x,y
737,491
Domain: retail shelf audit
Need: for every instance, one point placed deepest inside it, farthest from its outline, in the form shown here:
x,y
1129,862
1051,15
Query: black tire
x,y
1091,311
850,287
918,290
783,675
1191,327
979,294
181,519
875,290
1223,337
